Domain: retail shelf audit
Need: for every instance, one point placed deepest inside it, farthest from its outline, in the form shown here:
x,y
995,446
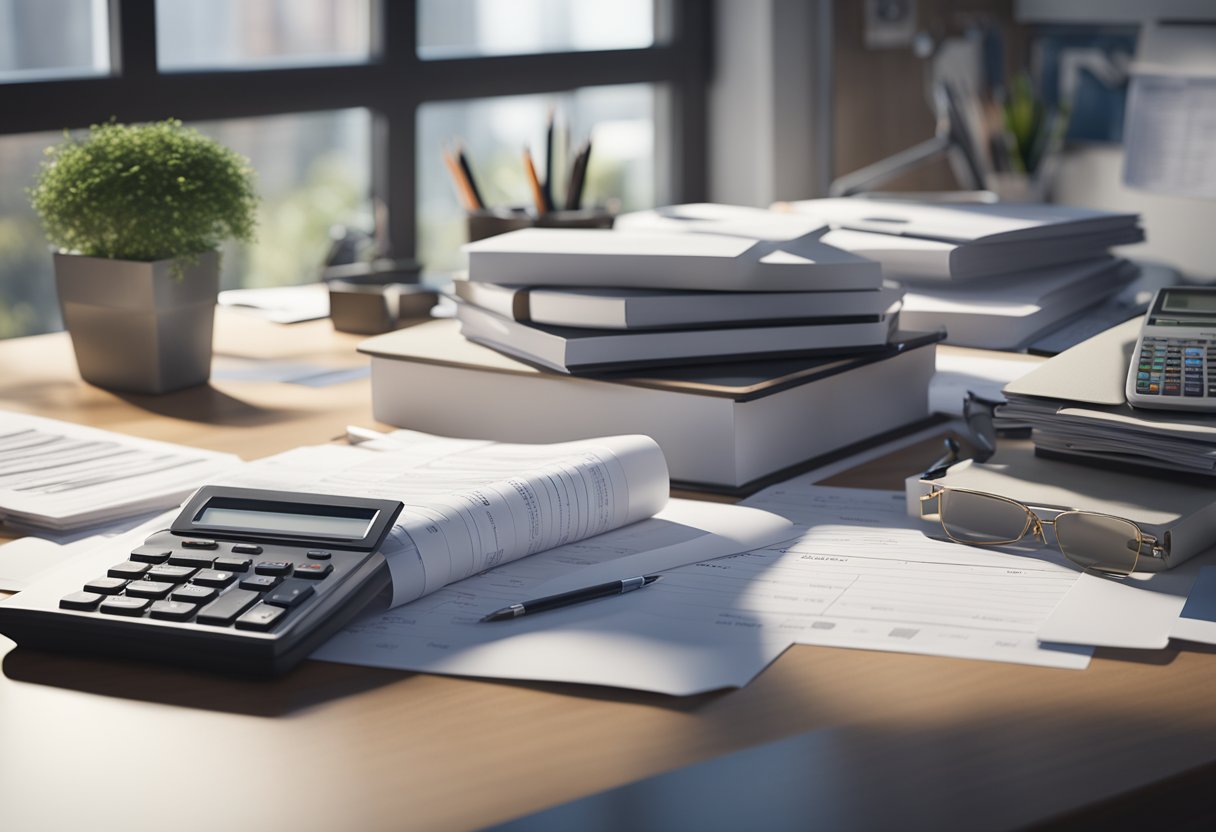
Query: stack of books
x,y
578,301
995,276
728,427
743,358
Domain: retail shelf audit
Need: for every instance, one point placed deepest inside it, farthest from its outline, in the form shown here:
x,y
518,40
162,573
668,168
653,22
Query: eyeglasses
x,y
1100,542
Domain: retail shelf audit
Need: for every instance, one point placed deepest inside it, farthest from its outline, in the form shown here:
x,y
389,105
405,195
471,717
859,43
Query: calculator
x,y
1173,366
246,581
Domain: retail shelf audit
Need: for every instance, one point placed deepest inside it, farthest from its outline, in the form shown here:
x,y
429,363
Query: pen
x,y
578,176
546,186
462,160
574,596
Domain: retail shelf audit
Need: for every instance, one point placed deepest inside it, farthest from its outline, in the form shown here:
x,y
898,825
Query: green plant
x,y
144,192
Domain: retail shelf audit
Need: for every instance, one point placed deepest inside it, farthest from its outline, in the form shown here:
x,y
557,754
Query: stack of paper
x,y
58,476
1011,313
583,300
948,242
1076,404
994,276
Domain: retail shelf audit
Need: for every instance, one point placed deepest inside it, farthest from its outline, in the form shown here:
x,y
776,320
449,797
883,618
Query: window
x,y
53,39
343,104
463,28
244,34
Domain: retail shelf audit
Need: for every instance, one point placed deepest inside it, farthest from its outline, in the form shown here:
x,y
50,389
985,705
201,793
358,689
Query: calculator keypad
x,y
1176,367
208,582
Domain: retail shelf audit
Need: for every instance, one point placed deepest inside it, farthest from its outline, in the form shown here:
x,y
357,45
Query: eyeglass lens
x,y
1096,541
980,518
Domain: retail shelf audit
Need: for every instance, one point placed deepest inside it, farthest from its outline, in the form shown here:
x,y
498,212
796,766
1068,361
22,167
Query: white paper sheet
x,y
471,505
1138,612
1197,622
859,578
960,373
57,475
625,641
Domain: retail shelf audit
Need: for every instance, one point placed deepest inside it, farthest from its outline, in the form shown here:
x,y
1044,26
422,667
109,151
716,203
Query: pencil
x,y
463,192
538,195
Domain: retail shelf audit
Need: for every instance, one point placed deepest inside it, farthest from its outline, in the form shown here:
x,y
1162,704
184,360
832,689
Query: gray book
x,y
604,308
726,426
571,350
666,260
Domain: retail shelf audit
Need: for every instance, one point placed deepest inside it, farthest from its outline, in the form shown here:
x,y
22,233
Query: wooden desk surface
x,y
915,741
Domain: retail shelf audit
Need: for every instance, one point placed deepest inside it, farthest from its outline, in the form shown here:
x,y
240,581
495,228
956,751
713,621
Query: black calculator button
x,y
315,571
172,610
319,554
233,564
170,574
260,583
261,617
123,605
198,543
105,586
277,567
127,570
246,549
191,559
148,589
213,577
194,594
227,607
86,601
151,554
290,594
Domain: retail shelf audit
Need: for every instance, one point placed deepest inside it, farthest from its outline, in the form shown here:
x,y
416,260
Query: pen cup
x,y
482,224
492,222
579,218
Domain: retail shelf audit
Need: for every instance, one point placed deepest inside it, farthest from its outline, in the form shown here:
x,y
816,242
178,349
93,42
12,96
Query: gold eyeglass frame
x,y
1035,522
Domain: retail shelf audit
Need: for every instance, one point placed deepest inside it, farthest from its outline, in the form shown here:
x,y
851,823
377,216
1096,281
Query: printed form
x,y
60,476
862,576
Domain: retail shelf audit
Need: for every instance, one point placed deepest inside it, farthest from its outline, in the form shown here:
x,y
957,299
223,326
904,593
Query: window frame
x,y
392,85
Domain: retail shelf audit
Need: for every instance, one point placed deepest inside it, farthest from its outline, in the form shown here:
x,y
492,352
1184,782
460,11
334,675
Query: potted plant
x,y
136,213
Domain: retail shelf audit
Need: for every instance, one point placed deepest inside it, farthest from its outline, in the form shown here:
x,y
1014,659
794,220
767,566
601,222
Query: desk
x,y
915,741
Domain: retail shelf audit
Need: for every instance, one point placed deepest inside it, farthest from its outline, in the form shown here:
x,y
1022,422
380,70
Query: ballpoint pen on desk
x,y
575,596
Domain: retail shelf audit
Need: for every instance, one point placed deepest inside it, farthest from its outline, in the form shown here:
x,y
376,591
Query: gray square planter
x,y
134,326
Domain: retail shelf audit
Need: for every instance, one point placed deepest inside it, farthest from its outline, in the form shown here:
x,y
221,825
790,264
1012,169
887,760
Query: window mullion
x,y
133,39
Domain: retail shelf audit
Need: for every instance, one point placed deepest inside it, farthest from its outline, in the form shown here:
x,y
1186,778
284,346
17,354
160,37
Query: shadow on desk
x,y
309,685
207,404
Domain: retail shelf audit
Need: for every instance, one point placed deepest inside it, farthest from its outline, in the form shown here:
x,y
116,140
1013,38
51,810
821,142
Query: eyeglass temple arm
x,y
925,499
1155,549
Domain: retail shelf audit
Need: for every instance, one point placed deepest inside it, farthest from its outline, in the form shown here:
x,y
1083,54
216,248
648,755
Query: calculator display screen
x,y
347,524
1203,303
